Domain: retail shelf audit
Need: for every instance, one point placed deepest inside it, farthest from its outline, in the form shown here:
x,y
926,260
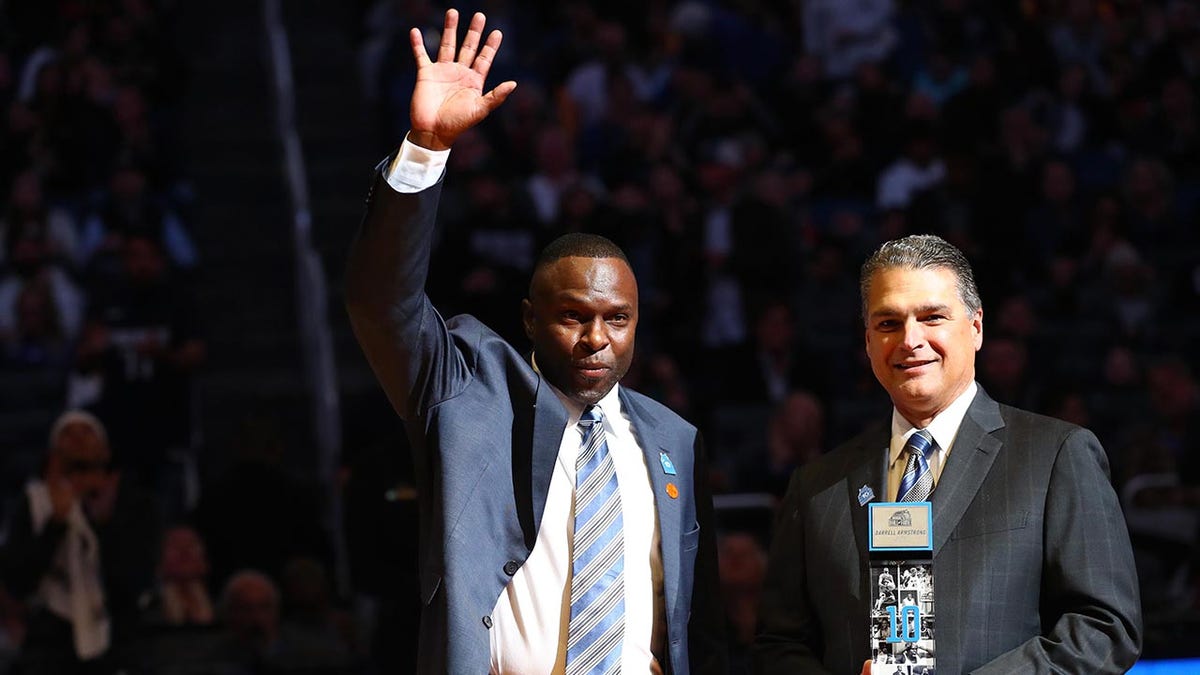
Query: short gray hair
x,y
82,417
921,251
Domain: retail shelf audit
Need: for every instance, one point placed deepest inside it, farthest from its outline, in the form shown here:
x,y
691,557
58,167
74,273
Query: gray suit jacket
x,y
1033,571
486,429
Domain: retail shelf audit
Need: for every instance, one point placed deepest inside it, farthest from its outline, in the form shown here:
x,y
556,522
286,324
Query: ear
x,y
977,327
527,317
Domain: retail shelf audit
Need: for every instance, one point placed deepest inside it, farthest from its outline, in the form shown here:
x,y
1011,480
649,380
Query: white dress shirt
x,y
531,616
943,428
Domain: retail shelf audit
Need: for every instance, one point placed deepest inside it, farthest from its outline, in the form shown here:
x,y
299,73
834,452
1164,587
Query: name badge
x,y
667,465
901,526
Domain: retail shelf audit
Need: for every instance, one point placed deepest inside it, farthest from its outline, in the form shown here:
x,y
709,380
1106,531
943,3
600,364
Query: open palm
x,y
448,98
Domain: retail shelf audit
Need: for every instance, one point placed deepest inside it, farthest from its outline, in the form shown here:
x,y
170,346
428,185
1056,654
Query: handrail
x,y
312,291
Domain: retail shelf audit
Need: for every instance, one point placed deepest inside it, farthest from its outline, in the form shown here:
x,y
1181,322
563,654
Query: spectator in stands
x,y
1157,226
795,436
178,632
29,264
765,371
918,171
29,217
182,595
37,339
148,326
315,635
1004,371
79,550
556,172
132,211
257,513
1130,299
1056,225
249,609
742,560
845,35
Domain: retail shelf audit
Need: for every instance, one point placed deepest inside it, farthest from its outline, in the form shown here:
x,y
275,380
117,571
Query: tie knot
x,y
592,415
920,442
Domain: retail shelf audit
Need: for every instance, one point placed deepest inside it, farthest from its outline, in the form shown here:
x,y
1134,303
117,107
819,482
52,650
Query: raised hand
x,y
449,98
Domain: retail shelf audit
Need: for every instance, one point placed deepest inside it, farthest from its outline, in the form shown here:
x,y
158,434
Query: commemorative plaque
x,y
903,615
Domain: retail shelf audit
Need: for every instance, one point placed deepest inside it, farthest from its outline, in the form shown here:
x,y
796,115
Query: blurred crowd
x,y
747,155
110,558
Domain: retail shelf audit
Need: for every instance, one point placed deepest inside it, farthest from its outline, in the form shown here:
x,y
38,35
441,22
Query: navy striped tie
x,y
597,625
917,482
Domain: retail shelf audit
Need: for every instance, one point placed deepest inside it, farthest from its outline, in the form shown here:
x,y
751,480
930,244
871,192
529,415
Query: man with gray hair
x,y
1033,566
75,555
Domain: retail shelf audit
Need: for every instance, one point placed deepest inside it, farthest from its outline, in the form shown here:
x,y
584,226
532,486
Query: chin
x,y
588,397
913,398
591,394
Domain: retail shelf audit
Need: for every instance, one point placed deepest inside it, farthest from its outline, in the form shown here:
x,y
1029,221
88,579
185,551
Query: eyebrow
x,y
923,309
576,298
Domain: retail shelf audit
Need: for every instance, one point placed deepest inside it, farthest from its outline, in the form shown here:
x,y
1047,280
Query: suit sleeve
x,y
25,555
789,636
404,338
706,626
1090,605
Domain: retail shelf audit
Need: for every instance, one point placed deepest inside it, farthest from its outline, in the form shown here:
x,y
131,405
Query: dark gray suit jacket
x,y
486,429
1033,571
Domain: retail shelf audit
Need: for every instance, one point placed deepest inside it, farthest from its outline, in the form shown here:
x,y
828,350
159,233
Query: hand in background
x,y
448,98
62,493
102,503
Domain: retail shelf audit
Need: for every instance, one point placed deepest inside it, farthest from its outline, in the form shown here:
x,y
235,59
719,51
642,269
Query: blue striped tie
x,y
917,483
597,625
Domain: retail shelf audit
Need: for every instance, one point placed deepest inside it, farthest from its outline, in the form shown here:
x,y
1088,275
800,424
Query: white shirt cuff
x,y
415,168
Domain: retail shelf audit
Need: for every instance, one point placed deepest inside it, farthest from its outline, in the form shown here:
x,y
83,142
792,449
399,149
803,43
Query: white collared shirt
x,y
943,428
531,616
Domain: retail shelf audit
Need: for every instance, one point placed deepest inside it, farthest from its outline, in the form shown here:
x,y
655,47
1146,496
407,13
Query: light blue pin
x,y
668,466
865,494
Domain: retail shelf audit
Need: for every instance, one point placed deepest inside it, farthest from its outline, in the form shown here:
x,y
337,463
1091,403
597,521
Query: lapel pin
x,y
865,494
672,491
667,464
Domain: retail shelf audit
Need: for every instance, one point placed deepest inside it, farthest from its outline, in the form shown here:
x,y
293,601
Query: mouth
x,y
592,371
909,366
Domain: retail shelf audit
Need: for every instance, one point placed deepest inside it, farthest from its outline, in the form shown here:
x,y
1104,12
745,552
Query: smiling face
x,y
581,316
921,339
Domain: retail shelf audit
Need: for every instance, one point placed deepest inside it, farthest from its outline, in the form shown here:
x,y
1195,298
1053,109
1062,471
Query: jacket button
x,y
511,567
487,622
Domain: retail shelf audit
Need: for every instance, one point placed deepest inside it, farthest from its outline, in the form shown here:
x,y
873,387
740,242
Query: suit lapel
x,y
974,451
549,420
868,469
648,431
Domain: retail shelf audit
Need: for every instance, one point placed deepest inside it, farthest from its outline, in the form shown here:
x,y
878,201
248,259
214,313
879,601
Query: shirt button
x,y
511,567
487,622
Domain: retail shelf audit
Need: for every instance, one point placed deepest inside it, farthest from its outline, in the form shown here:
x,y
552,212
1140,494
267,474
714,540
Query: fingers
x,y
470,56
471,39
483,62
449,37
495,97
418,47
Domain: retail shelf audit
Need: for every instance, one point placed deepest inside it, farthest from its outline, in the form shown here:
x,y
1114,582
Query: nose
x,y
595,335
914,335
